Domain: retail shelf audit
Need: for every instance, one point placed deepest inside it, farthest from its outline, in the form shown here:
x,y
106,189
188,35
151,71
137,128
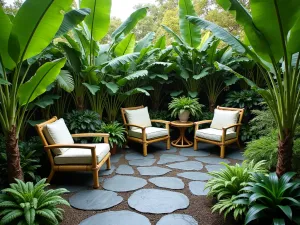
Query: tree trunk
x,y
13,156
212,105
285,154
80,103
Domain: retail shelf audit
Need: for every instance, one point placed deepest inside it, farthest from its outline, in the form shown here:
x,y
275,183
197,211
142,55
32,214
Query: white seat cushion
x,y
81,155
224,118
214,134
58,133
138,117
151,132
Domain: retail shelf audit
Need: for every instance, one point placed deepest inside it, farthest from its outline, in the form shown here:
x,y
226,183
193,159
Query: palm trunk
x,y
285,154
13,156
212,105
80,103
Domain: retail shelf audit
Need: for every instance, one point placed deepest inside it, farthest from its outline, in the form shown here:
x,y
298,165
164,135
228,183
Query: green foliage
x,y
28,204
159,115
266,147
226,184
272,200
247,134
263,123
179,105
116,133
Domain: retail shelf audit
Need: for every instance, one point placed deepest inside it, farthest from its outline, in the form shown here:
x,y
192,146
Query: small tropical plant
x,y
28,204
272,200
179,105
116,133
229,183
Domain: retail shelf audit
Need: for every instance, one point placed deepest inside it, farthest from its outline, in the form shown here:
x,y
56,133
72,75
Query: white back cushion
x,y
58,133
138,117
223,118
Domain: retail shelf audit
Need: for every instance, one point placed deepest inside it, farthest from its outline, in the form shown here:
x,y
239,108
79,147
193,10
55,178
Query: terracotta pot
x,y
184,116
113,150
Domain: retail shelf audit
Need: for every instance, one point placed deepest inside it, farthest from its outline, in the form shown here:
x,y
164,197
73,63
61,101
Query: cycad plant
x,y
28,204
272,32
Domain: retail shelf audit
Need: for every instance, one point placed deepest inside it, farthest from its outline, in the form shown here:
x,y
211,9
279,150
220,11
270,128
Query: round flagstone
x,y
142,162
197,188
157,201
121,183
153,171
95,200
115,158
104,172
137,155
168,182
195,175
236,155
212,160
170,158
125,169
123,217
211,168
189,165
177,219
190,152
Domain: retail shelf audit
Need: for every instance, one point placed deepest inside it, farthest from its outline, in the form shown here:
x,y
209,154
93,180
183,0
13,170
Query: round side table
x,y
182,141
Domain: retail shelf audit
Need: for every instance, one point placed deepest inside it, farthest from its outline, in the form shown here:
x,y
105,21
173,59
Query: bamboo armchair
x,y
224,140
143,140
94,167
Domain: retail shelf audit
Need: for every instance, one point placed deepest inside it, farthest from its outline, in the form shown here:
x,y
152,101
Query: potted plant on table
x,y
116,135
184,106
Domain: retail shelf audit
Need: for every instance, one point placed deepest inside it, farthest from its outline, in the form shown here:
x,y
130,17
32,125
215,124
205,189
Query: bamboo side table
x,y
182,141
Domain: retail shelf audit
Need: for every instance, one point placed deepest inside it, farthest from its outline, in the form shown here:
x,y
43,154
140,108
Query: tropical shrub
x,y
226,184
28,204
178,105
159,115
272,200
116,133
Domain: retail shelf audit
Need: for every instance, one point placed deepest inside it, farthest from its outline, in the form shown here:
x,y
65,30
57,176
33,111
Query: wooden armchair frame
x,y
94,167
223,143
144,141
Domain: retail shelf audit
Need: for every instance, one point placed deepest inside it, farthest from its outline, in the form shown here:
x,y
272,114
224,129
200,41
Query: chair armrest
x,y
167,123
231,126
200,123
104,135
137,126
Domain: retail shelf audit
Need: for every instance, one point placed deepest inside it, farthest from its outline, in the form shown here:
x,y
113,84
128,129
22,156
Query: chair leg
x,y
195,144
168,143
238,143
96,179
222,153
145,146
50,176
108,164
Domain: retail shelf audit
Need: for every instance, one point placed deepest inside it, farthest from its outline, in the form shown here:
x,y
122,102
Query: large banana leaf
x,y
172,33
34,27
129,23
161,42
92,88
190,33
120,61
137,91
144,42
293,40
71,20
135,75
99,19
6,26
73,57
112,87
65,81
38,84
126,46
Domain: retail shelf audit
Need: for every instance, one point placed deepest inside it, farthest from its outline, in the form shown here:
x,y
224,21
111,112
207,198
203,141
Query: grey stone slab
x,y
172,150
190,152
197,188
142,162
123,217
211,168
212,160
125,169
121,183
115,158
157,201
195,175
177,219
153,171
189,165
168,182
137,155
95,200
238,155
170,158
104,172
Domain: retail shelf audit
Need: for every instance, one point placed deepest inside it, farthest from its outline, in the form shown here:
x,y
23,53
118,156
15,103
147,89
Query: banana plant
x,y
22,40
272,42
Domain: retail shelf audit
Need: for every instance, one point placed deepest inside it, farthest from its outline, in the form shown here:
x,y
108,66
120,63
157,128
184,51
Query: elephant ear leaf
x,y
38,84
31,35
92,88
